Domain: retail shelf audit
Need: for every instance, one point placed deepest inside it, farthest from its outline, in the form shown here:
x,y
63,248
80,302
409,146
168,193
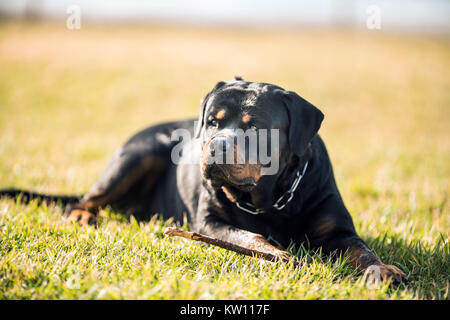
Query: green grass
x,y
69,98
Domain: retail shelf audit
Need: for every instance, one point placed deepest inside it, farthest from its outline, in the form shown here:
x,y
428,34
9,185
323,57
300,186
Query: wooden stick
x,y
225,245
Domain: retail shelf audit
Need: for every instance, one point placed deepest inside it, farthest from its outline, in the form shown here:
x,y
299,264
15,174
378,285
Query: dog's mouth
x,y
220,176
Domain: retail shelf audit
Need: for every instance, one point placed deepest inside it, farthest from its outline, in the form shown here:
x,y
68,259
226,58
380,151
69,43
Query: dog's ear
x,y
304,121
203,103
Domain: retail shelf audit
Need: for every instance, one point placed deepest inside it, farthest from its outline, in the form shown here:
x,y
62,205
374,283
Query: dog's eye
x,y
213,122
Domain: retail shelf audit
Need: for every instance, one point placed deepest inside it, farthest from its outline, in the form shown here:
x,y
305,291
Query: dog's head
x,y
238,111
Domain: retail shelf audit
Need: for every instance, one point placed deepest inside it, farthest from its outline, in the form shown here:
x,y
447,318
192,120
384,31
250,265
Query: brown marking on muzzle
x,y
205,155
244,171
235,172
229,194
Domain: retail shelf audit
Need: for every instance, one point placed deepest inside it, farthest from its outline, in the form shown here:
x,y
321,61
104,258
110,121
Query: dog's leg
x,y
126,168
364,259
332,229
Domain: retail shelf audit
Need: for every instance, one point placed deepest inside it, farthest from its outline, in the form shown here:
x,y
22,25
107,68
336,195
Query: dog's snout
x,y
219,144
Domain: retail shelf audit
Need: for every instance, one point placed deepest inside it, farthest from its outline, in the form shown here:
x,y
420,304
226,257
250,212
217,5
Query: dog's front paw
x,y
82,217
259,243
283,255
378,274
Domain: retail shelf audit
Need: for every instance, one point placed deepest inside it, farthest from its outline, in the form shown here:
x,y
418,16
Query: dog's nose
x,y
219,145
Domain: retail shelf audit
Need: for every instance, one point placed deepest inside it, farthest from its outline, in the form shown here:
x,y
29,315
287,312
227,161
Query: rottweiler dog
x,y
235,201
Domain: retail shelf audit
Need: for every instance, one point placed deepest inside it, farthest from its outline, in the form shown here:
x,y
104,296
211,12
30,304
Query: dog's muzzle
x,y
221,165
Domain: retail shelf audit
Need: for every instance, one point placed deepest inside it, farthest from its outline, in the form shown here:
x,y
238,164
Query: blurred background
x,y
401,15
79,77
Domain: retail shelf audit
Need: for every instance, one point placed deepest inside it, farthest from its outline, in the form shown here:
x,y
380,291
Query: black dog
x,y
235,202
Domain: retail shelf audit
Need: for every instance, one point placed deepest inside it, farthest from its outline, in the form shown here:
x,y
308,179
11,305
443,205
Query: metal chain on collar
x,y
281,203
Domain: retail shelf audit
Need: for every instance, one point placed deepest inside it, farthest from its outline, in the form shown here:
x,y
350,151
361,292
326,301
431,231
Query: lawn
x,y
69,98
